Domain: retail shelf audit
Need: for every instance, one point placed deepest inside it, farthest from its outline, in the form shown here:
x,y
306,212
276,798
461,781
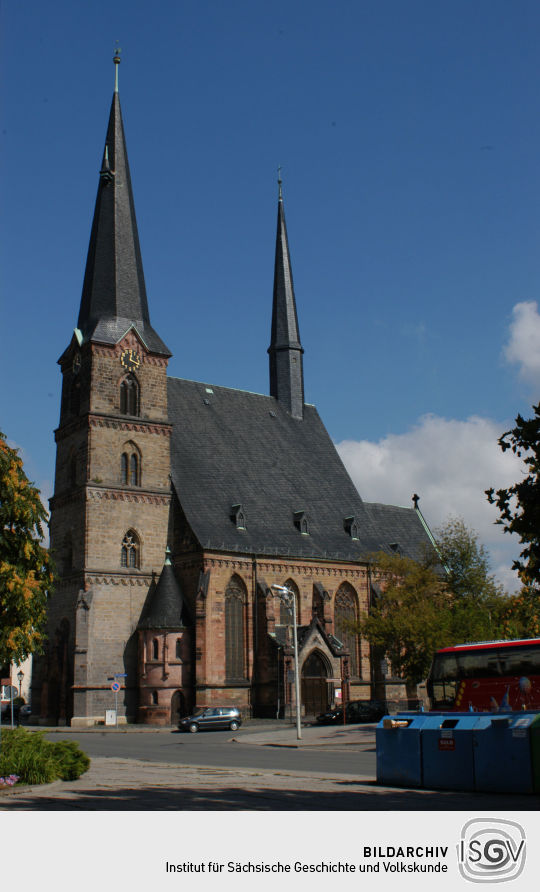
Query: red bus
x,y
487,676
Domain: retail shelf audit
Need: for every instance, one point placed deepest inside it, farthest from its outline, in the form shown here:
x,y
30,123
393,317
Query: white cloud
x,y
523,347
449,464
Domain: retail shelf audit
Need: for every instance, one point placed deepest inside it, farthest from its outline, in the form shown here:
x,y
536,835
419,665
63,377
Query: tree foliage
x,y
519,505
26,573
423,606
520,616
477,601
410,617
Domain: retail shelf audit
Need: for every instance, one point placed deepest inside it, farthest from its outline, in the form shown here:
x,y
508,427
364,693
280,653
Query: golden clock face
x,y
130,359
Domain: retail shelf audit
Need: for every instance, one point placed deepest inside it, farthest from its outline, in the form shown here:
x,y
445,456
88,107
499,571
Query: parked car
x,y
20,711
356,711
209,718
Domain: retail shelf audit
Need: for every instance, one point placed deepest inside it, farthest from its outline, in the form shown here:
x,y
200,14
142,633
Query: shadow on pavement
x,y
231,798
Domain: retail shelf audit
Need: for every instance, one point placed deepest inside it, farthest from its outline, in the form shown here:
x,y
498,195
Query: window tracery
x,y
235,608
345,615
130,555
129,396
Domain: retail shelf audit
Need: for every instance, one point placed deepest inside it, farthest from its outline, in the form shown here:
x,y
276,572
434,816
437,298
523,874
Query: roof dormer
x,y
301,522
351,527
238,516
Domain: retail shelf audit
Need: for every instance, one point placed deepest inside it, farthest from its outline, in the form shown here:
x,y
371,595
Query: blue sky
x,y
409,139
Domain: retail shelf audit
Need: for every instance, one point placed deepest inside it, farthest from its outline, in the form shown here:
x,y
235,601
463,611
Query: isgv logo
x,y
491,850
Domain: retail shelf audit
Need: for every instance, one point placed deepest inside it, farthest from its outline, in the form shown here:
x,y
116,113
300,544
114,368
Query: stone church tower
x,y
178,506
110,509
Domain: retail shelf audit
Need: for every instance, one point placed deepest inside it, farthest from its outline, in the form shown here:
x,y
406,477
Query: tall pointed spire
x,y
114,293
286,365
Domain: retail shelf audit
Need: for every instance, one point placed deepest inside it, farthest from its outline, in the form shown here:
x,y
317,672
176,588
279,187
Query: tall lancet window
x,y
134,469
129,396
130,465
235,609
130,555
345,615
317,605
285,607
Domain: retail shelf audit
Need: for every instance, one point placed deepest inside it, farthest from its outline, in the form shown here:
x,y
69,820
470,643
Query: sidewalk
x,y
322,736
260,732
136,785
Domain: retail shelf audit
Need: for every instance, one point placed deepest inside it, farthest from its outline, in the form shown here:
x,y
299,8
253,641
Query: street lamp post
x,y
282,590
20,676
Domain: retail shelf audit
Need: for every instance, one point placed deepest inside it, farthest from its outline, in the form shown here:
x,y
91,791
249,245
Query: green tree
x,y
447,598
26,573
519,505
477,601
521,614
410,618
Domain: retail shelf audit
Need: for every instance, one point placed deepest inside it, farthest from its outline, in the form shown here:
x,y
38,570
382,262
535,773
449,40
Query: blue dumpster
x,y
399,751
535,752
502,753
447,751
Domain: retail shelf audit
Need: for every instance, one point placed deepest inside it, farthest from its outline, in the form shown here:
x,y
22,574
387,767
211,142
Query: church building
x,y
178,505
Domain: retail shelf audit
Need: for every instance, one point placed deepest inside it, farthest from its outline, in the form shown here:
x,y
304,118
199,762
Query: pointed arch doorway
x,y
178,707
315,673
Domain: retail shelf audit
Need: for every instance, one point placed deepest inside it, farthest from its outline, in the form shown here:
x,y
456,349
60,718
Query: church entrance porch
x,y
315,688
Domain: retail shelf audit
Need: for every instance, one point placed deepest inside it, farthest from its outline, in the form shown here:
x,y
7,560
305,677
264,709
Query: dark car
x,y
209,718
356,711
20,712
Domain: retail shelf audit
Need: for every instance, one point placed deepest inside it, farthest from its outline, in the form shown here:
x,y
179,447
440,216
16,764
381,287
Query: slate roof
x,y
402,527
165,608
232,447
114,293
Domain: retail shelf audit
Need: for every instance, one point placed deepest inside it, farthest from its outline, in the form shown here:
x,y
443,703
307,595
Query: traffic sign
x,y
9,691
115,686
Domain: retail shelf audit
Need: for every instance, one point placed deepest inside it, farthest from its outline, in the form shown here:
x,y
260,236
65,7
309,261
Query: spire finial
x,y
116,60
279,182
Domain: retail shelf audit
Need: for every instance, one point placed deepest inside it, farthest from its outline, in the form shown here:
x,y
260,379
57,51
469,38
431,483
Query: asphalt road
x,y
136,769
214,749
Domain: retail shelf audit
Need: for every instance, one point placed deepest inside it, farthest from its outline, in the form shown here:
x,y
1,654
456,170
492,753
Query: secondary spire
x,y
285,351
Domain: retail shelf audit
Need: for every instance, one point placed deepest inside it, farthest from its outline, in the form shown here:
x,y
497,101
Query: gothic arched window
x,y
345,615
235,608
130,466
129,396
155,649
286,610
178,649
134,469
317,605
154,698
130,555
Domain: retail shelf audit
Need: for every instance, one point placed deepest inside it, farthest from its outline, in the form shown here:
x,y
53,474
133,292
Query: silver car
x,y
209,718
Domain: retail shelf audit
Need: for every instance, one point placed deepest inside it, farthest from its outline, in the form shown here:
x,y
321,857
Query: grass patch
x,y
38,761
